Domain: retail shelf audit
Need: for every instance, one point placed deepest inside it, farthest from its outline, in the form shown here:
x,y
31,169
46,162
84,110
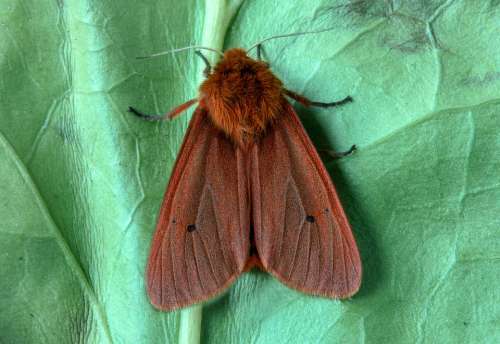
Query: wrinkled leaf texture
x,y
81,180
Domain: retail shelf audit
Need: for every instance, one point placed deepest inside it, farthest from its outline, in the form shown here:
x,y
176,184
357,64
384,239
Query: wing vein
x,y
342,255
308,254
282,231
217,228
344,243
212,271
190,288
172,253
301,229
196,265
157,266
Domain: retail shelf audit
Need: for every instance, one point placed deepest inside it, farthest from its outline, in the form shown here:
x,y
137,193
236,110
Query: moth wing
x,y
301,231
201,241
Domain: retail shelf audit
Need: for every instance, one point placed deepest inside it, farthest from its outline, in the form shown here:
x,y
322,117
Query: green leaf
x,y
81,180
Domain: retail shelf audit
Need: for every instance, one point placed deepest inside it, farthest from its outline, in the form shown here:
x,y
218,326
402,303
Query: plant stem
x,y
190,325
218,15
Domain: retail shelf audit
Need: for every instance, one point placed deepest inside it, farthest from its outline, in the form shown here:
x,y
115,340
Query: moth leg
x,y
169,115
260,49
338,155
208,67
307,102
146,117
259,52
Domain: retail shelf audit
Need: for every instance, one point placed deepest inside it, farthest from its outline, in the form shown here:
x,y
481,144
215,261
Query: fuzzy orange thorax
x,y
242,96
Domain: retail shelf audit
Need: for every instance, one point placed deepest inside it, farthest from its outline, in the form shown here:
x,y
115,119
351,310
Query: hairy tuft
x,y
242,96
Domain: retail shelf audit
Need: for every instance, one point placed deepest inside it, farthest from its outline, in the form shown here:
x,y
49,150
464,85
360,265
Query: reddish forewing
x,y
202,240
301,231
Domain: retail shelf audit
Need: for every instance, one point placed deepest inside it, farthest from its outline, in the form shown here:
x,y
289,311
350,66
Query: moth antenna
x,y
197,47
288,35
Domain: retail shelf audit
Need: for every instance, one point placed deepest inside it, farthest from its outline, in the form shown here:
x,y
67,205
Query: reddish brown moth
x,y
248,190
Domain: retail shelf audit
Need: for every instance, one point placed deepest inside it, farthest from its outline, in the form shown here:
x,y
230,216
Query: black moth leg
x,y
259,52
169,115
338,155
307,102
260,49
346,100
208,67
146,117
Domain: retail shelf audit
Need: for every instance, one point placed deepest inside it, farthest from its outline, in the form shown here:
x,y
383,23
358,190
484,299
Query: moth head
x,y
242,96
237,65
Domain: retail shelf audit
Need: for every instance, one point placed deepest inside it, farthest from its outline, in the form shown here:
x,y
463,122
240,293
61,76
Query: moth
x,y
248,190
